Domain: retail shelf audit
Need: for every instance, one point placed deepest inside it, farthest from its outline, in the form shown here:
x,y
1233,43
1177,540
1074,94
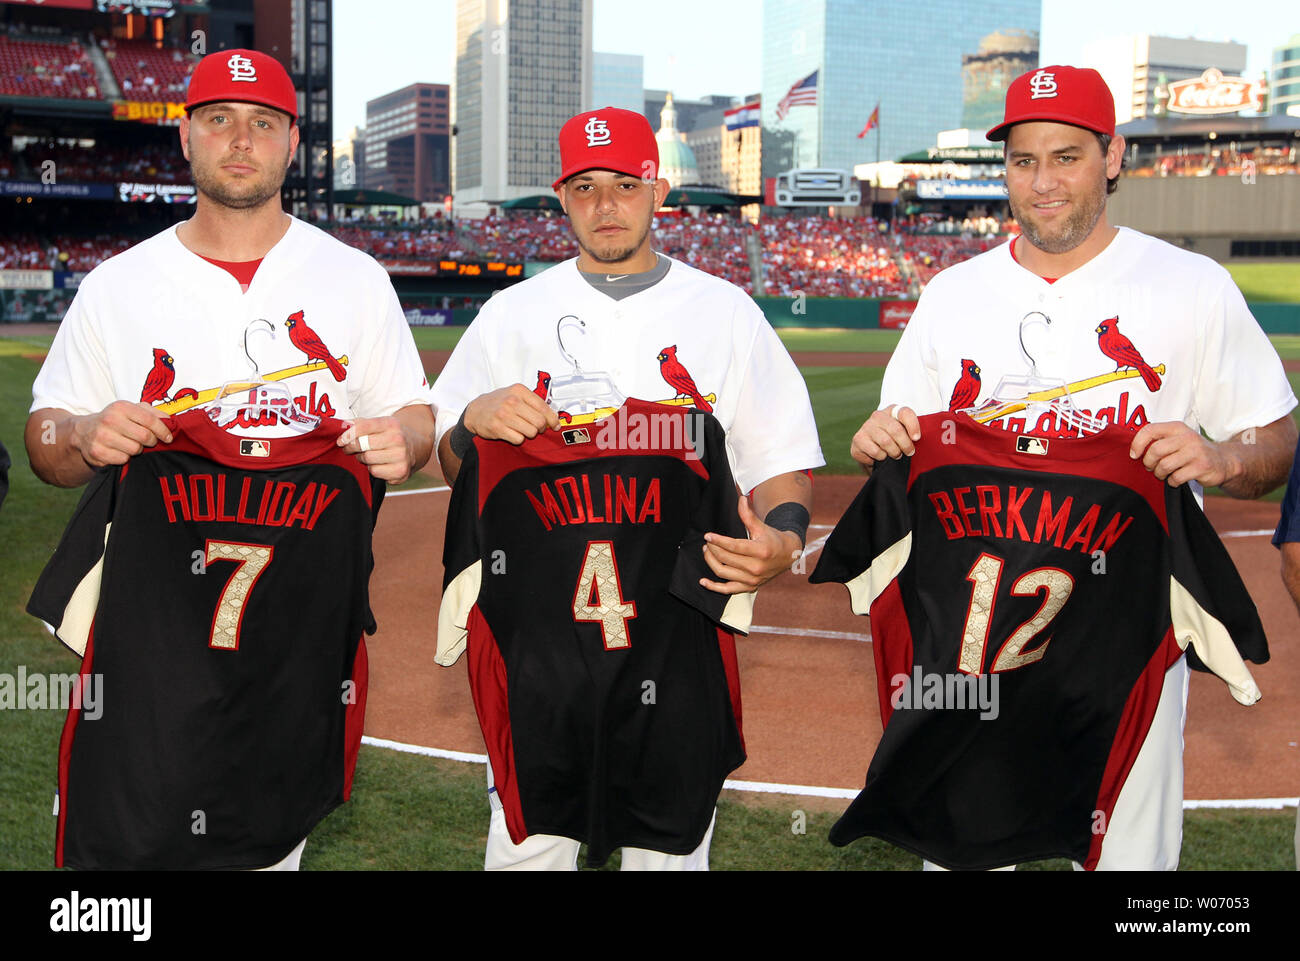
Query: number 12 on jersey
x,y
985,576
599,596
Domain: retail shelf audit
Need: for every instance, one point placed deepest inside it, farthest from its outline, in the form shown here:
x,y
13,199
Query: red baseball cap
x,y
608,139
1074,95
245,76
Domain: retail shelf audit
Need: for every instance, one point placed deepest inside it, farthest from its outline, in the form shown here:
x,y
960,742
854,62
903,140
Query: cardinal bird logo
x,y
680,379
161,376
1121,350
543,388
967,390
306,340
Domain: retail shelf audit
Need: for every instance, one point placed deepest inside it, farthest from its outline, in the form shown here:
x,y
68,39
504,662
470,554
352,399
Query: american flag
x,y
803,92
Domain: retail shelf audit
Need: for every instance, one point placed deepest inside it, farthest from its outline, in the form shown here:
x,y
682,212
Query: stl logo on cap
x,y
597,133
1043,85
241,68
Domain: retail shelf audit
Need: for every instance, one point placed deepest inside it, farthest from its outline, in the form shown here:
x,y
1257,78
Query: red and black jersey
x,y
218,588
603,674
1027,596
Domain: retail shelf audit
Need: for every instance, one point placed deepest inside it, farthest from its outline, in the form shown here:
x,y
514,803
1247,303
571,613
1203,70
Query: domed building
x,y
676,160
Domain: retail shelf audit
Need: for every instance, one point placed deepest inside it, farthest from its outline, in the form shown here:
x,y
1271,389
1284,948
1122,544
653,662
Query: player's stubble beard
x,y
612,255
238,196
1078,226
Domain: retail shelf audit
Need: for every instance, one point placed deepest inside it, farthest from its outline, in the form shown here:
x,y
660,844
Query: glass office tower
x,y
905,55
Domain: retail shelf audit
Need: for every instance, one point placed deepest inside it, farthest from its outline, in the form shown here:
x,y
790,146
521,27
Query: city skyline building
x,y
1284,78
523,67
350,159
617,80
407,137
677,162
1133,66
986,74
888,53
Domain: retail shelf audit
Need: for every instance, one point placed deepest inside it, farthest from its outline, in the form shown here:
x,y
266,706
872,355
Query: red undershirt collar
x,y
241,270
1050,280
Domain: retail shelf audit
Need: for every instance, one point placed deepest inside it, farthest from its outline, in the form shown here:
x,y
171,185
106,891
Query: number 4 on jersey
x,y
599,597
985,575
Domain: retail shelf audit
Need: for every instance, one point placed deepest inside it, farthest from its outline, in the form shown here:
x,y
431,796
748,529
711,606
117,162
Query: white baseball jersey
x,y
1196,344
159,323
710,334
1211,365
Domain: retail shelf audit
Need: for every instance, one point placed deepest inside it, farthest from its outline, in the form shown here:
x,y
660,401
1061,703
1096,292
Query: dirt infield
x,y
810,714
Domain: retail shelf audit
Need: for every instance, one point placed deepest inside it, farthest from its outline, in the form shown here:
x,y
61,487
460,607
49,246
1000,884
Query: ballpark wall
x,y
1190,210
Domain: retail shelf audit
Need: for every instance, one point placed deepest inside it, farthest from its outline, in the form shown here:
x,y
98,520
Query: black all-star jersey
x,y
1027,596
218,586
604,675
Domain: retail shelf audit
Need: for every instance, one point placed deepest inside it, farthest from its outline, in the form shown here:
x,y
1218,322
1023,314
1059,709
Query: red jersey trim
x,y
490,689
730,665
892,649
1100,456
65,746
550,446
1131,733
193,432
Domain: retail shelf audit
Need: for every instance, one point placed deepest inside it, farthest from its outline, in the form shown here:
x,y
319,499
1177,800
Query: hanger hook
x,y
1027,319
569,322
270,329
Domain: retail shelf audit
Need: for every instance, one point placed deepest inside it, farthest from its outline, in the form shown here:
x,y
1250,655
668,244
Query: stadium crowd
x,y
816,255
104,163
145,72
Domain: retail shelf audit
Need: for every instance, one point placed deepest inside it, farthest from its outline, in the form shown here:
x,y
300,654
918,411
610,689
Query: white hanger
x,y
581,392
259,395
1034,393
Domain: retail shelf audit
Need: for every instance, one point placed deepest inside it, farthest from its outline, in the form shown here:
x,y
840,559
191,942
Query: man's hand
x,y
117,433
512,414
66,449
391,447
1248,465
887,433
746,565
1176,453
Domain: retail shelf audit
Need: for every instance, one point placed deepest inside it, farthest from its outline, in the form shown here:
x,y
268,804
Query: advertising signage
x,y
1213,93
453,268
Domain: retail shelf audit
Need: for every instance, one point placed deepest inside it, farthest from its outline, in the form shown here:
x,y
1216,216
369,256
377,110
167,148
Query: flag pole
x,y
875,193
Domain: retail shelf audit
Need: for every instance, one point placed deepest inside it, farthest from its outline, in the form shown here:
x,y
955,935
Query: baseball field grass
x,y
414,812
1277,283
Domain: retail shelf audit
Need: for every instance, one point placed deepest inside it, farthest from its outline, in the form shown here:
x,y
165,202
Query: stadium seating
x,y
146,72
46,68
818,256
107,163
829,257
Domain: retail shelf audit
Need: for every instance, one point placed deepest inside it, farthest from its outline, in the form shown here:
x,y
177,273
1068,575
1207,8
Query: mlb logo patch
x,y
576,435
1031,445
254,448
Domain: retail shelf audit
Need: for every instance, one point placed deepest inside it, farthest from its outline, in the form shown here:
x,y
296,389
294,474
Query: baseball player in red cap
x,y
163,325
1204,392
664,331
238,258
